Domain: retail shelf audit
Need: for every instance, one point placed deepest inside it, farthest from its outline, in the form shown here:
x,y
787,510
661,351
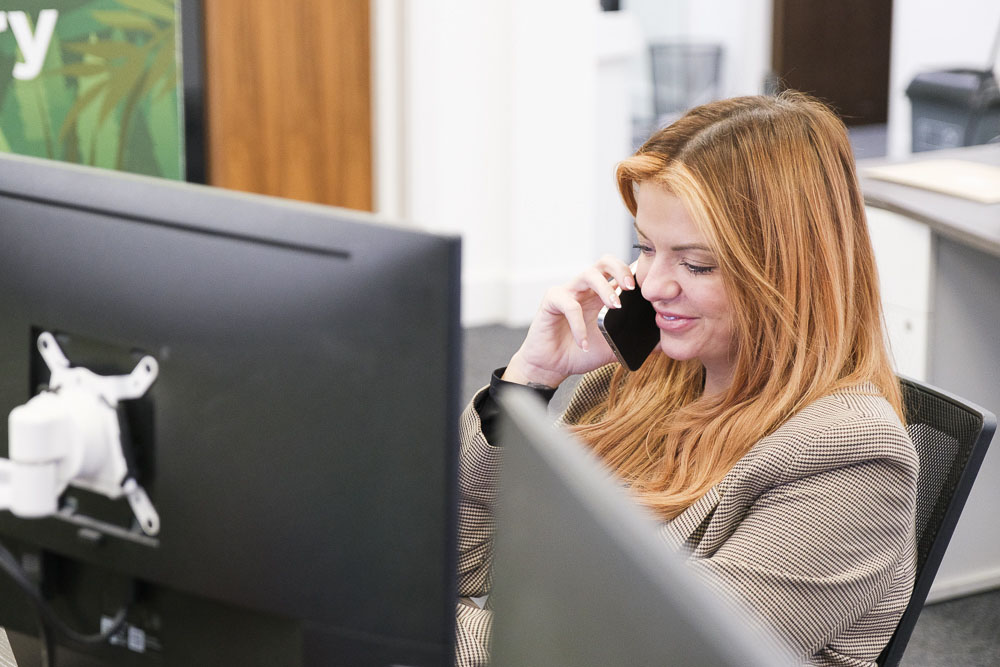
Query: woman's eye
x,y
698,269
644,249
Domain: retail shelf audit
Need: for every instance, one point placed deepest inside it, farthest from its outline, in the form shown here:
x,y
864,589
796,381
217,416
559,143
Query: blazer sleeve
x,y
592,389
478,478
478,475
830,542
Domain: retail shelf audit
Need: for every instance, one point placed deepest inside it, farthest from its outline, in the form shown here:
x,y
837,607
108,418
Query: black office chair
x,y
951,436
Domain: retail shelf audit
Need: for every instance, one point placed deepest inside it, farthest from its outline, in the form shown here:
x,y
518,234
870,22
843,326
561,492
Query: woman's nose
x,y
660,285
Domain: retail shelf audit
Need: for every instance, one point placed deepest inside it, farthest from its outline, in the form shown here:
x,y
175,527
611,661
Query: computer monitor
x,y
299,442
581,577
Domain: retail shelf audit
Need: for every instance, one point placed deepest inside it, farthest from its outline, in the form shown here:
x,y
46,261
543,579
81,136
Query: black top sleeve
x,y
489,411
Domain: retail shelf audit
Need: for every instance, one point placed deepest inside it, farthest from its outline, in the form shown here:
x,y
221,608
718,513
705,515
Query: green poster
x,y
95,82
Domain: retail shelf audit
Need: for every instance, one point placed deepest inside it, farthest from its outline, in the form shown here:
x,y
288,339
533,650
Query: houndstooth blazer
x,y
813,528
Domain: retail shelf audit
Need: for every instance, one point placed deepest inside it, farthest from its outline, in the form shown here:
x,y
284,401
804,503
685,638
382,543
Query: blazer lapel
x,y
679,530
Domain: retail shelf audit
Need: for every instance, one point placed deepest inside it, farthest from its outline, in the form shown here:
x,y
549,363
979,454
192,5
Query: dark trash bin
x,y
954,107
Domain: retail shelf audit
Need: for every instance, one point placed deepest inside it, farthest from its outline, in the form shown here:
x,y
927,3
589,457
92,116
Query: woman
x,y
766,429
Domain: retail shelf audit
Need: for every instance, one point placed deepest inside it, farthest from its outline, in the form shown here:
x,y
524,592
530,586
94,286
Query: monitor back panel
x,y
581,577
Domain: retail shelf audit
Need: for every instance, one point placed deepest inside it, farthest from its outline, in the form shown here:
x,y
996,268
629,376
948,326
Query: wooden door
x,y
837,51
288,98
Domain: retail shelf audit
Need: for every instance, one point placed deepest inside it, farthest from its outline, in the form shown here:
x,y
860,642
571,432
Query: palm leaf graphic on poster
x,y
127,64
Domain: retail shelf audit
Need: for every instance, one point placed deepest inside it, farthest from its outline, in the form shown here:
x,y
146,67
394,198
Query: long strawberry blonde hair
x,y
771,183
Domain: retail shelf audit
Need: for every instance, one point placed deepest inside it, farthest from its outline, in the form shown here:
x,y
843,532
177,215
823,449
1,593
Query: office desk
x,y
962,341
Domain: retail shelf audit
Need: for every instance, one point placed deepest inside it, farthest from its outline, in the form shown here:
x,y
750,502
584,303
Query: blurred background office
x,y
502,120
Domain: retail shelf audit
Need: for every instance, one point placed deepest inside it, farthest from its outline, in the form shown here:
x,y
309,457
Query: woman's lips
x,y
674,322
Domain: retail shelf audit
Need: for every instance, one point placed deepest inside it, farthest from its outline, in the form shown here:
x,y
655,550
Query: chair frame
x,y
926,572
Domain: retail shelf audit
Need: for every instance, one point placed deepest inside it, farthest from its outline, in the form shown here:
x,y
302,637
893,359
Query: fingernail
x,y
629,282
617,302
584,345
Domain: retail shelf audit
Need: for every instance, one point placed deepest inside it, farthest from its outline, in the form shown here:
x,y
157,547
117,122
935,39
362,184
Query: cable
x,y
48,615
46,644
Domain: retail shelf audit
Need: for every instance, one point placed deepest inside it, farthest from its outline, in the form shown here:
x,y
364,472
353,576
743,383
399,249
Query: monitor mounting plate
x,y
70,434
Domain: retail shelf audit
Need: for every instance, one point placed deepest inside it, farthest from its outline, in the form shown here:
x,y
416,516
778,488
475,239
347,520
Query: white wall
x,y
458,131
495,139
931,35
553,149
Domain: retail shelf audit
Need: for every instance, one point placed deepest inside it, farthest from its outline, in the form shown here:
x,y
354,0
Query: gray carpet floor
x,y
489,348
962,632
965,631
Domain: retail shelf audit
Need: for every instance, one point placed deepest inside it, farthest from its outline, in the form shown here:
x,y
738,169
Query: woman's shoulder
x,y
859,413
846,427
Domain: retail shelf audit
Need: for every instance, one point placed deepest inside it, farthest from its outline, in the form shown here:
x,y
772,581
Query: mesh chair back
x,y
951,437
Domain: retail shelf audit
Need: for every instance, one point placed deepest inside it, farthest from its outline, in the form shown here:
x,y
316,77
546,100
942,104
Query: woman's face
x,y
679,275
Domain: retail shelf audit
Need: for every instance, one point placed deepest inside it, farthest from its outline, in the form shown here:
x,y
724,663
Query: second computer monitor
x,y
581,577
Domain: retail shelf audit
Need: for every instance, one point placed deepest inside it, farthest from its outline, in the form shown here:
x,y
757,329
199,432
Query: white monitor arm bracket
x,y
71,434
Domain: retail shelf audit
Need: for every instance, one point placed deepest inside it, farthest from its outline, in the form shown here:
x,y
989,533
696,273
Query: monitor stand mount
x,y
71,433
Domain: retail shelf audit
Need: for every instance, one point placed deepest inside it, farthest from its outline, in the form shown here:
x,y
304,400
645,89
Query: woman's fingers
x,y
603,278
559,342
617,270
594,280
564,303
582,297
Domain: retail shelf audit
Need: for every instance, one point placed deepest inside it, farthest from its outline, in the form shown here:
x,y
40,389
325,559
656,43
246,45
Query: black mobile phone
x,y
631,330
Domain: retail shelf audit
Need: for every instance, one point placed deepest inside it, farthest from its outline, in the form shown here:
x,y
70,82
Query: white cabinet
x,y
903,252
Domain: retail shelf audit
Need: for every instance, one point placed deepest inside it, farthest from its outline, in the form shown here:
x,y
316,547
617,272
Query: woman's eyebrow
x,y
690,246
677,248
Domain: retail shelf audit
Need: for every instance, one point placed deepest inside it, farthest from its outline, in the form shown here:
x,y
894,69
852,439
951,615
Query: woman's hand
x,y
563,339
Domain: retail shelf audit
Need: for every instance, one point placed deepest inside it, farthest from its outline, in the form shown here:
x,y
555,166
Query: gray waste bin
x,y
684,76
954,107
